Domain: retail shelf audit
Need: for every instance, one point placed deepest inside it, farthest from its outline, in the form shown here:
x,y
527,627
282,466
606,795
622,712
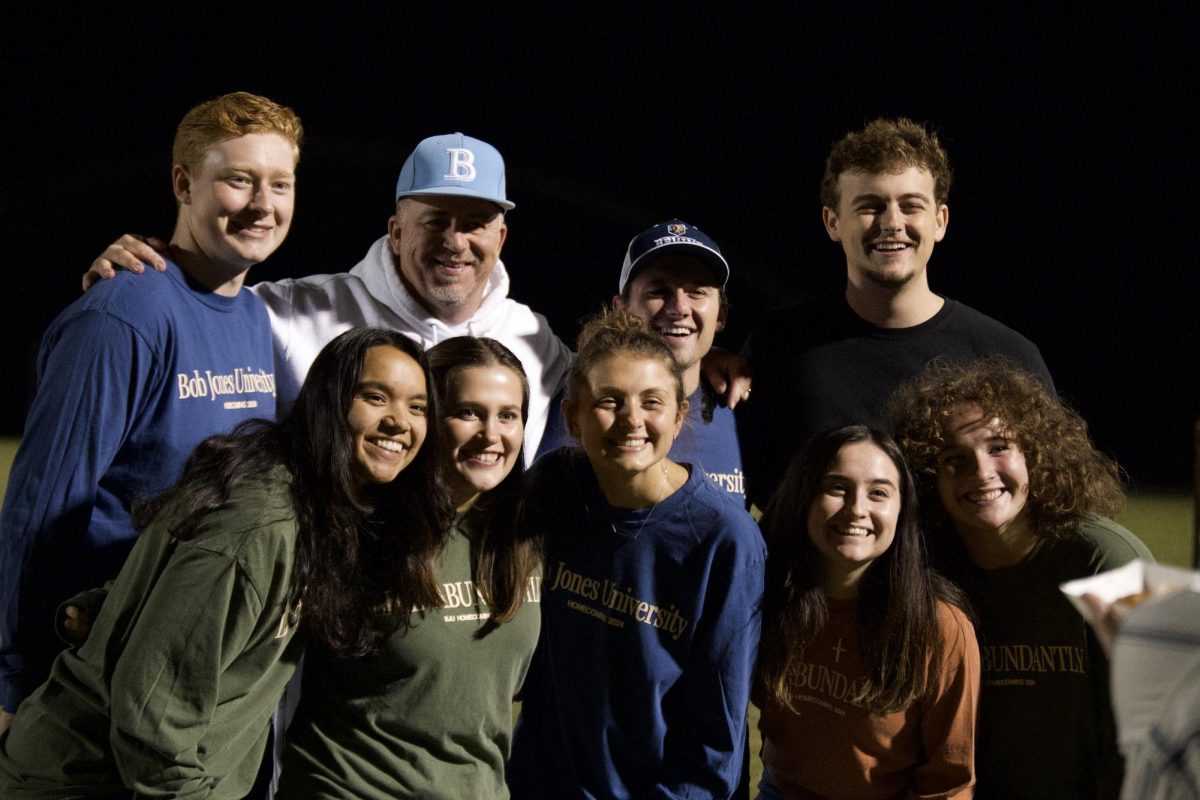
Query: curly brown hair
x,y
886,145
1068,477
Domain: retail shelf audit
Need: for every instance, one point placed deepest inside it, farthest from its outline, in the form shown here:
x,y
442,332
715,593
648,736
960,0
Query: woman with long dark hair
x,y
868,666
429,715
271,530
1019,501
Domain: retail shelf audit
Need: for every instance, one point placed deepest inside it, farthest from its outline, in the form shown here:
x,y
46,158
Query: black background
x,y
1072,133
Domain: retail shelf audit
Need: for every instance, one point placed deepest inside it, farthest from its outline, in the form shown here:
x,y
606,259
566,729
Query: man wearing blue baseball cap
x,y
673,278
437,273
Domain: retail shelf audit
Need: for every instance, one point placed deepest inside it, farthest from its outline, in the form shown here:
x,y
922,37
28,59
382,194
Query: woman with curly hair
x,y
868,666
1023,499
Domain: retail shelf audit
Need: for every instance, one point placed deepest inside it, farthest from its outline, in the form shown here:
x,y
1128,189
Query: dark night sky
x,y
1074,161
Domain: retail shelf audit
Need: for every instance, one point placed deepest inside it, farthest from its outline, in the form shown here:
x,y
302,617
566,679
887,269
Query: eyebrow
x,y
383,387
872,482
683,283
609,390
244,167
908,196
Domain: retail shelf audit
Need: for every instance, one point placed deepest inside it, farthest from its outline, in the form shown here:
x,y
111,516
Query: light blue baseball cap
x,y
454,164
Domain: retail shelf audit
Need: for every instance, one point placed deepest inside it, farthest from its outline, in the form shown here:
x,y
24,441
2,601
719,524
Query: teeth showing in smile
x,y
631,442
889,247
389,445
854,530
985,496
486,458
676,331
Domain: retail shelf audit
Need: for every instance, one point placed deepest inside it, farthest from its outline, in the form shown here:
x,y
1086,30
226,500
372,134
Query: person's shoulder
x,y
311,286
259,515
516,317
954,622
788,329
152,304
1109,542
133,296
961,316
717,514
816,309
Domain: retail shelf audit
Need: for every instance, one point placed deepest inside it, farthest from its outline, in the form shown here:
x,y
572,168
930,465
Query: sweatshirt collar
x,y
382,280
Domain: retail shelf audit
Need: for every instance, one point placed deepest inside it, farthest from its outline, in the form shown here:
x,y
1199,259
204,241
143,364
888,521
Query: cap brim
x,y
450,191
715,261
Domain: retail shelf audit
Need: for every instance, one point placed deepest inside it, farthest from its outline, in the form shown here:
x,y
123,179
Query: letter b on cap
x,y
462,164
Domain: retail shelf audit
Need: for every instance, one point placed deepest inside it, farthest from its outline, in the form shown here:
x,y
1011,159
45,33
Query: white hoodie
x,y
307,313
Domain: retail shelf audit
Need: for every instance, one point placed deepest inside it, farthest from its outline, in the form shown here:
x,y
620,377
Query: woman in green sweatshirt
x,y
429,714
272,525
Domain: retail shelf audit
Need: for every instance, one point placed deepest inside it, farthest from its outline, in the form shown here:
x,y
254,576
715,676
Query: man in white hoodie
x,y
435,274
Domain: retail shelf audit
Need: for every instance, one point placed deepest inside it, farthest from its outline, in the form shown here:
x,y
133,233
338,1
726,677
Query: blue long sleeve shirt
x,y
131,377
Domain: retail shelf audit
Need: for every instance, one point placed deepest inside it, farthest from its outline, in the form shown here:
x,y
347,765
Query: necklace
x,y
662,493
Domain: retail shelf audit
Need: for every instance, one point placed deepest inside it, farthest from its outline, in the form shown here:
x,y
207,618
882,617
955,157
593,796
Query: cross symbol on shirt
x,y
838,650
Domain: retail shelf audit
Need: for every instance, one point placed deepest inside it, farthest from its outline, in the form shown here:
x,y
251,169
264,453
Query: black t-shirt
x,y
818,365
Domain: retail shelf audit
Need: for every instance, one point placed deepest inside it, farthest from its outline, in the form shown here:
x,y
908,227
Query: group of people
x,y
896,617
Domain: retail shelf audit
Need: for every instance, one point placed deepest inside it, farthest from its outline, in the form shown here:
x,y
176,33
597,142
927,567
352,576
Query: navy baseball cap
x,y
675,237
454,164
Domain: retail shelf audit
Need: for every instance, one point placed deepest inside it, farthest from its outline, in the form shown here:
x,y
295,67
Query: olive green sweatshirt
x,y
430,715
171,696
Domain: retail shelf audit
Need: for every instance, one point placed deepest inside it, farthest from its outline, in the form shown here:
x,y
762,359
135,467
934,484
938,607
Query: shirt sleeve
x,y
706,726
277,298
95,374
948,716
196,620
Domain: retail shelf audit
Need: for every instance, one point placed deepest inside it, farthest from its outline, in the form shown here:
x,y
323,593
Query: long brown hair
x,y
353,543
503,558
899,634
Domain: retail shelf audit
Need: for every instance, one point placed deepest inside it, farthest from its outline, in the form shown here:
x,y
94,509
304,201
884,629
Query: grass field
x,y
1162,519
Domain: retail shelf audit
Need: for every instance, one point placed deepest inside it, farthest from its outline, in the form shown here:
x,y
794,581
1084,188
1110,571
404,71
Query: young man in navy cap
x,y
436,274
673,279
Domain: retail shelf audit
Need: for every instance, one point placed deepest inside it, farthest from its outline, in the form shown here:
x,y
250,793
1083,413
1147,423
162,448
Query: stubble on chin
x,y
889,281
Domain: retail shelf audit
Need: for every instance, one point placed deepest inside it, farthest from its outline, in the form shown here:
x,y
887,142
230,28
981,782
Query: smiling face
x,y
387,414
445,248
852,520
626,417
887,224
235,207
484,428
676,296
982,478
